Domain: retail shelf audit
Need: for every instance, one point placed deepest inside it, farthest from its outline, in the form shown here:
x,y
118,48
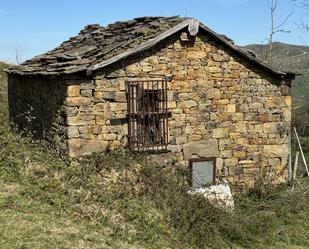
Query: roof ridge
x,y
96,46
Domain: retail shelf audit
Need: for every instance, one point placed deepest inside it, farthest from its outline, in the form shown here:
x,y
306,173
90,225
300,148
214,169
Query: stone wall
x,y
36,108
221,106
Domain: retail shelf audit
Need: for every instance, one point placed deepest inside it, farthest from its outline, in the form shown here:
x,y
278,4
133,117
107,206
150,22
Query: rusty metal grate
x,y
147,115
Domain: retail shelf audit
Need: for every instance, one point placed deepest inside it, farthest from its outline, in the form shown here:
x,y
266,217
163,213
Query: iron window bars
x,y
147,115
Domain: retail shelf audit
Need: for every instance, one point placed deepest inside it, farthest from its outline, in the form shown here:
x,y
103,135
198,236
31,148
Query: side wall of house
x,y
36,107
221,107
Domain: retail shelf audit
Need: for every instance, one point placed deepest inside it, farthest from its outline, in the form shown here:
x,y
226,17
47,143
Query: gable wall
x,y
221,106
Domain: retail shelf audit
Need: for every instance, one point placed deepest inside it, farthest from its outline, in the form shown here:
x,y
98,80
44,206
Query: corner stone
x,y
276,150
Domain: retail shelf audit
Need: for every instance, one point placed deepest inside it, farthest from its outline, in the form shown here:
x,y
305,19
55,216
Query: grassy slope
x,y
47,204
292,58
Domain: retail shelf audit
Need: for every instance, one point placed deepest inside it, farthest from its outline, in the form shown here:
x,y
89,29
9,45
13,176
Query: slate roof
x,y
96,46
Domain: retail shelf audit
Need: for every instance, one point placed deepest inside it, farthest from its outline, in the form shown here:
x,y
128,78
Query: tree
x,y
17,53
305,5
274,27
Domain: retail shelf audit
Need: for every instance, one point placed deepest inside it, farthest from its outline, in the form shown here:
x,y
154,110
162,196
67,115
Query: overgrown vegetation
x,y
125,200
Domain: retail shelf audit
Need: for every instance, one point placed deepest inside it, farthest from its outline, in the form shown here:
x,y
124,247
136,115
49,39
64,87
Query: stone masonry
x,y
221,105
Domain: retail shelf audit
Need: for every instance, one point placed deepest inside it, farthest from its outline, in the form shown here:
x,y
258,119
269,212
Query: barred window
x,y
147,115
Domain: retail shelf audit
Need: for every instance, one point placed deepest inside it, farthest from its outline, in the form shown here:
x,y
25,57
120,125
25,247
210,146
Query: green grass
x,y
125,200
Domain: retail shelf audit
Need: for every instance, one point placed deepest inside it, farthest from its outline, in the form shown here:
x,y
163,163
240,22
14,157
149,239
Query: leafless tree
x,y
17,53
305,5
274,26
302,3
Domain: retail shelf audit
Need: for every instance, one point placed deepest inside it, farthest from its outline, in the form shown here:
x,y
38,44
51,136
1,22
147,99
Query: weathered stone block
x,y
80,120
231,162
189,104
276,150
86,86
230,108
240,154
109,95
224,101
109,137
185,96
214,69
196,54
246,162
213,93
274,102
265,117
195,137
120,97
98,95
271,127
82,147
100,119
171,105
95,129
118,106
219,164
241,127
237,116
234,135
77,101
83,129
179,85
86,93
181,140
70,111
73,132
287,114
288,101
235,88
217,57
225,153
205,148
73,91
220,133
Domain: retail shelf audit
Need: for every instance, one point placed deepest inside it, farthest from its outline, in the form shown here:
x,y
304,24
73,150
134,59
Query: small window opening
x,y
202,172
147,115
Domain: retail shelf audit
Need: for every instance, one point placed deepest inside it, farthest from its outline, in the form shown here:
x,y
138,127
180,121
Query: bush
x,y
195,220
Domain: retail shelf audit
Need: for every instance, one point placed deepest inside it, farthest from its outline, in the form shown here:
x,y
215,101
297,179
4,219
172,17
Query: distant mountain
x,y
287,57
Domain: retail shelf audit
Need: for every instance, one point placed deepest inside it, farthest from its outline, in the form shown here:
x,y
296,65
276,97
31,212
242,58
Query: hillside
x,y
294,58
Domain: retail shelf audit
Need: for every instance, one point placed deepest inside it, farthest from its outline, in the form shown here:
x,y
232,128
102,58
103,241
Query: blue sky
x,y
36,26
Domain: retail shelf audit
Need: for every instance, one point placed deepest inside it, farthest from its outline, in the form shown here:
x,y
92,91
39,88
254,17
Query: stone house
x,y
159,84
